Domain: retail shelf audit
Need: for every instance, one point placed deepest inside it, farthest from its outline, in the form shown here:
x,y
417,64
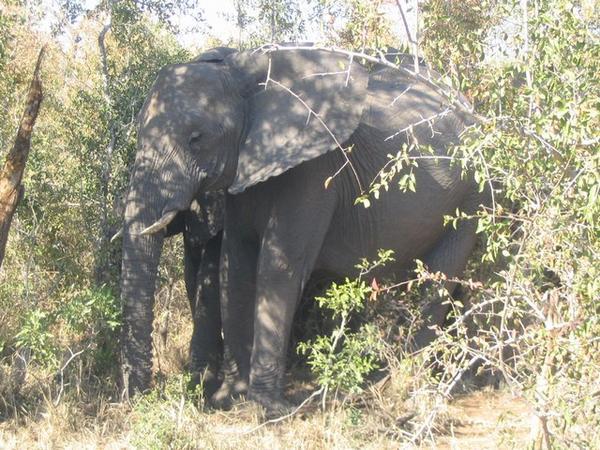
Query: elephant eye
x,y
195,138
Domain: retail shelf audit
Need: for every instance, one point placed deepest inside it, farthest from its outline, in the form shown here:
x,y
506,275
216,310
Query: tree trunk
x,y
11,189
106,257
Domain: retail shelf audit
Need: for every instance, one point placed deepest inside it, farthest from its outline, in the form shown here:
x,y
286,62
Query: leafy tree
x,y
262,21
538,142
82,149
366,27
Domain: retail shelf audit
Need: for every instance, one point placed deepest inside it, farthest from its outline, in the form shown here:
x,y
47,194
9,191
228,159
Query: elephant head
x,y
227,120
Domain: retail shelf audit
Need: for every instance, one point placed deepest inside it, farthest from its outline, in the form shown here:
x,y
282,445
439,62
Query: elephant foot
x,y
135,381
224,397
275,406
423,338
208,380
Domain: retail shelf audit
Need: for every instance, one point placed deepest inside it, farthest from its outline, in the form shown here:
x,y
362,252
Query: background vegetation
x,y
530,69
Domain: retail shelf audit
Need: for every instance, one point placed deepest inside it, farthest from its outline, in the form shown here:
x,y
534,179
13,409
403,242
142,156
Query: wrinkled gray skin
x,y
213,124
202,227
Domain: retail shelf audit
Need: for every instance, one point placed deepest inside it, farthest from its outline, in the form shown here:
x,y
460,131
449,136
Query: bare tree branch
x,y
314,114
11,189
453,101
416,44
405,22
423,120
106,231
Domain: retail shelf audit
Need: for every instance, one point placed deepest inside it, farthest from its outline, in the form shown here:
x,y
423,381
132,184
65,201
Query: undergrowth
x,y
529,324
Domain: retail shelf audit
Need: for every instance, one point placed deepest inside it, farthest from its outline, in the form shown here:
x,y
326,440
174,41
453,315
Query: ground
x,y
384,416
487,420
479,420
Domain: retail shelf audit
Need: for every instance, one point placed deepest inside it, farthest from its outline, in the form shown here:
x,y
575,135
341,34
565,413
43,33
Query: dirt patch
x,y
487,420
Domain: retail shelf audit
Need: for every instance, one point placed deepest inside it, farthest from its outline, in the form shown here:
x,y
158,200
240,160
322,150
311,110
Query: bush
x,y
536,321
162,418
85,319
340,361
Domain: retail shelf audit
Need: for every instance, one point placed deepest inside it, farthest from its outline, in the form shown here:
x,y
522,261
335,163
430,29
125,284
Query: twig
x,y
349,67
398,97
107,162
429,120
339,333
416,43
405,22
489,179
287,416
62,370
453,103
316,116
435,85
525,54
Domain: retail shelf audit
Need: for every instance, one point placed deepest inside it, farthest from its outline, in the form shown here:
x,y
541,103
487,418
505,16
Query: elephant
x,y
293,136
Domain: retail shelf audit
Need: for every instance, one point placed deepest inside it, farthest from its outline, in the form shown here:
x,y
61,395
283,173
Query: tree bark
x,y
11,189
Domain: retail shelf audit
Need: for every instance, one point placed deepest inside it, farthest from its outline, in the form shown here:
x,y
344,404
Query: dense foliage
x,y
60,269
529,68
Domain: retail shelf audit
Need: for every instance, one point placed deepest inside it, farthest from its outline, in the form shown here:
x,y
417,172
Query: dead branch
x,y
405,22
314,114
105,229
11,176
286,416
454,103
428,120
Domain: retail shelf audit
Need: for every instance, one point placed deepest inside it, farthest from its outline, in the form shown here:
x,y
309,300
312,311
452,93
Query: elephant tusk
x,y
160,223
117,235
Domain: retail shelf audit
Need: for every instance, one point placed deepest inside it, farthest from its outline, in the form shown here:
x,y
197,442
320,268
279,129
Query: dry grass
x,y
480,420
385,416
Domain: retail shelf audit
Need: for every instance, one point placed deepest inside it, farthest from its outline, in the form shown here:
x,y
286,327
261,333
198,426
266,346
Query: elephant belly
x,y
410,224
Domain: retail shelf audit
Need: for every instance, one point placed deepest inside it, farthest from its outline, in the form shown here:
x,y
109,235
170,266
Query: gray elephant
x,y
272,128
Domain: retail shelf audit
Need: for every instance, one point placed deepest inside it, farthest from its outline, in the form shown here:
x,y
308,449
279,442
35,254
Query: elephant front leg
x,y
202,282
291,238
237,282
284,266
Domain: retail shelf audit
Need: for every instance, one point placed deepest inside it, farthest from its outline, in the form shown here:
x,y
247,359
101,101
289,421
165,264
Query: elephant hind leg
x,y
449,257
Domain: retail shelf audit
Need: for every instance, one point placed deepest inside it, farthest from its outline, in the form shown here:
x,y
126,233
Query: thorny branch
x,y
416,44
62,372
399,96
312,112
454,103
107,162
429,120
452,99
306,401
405,22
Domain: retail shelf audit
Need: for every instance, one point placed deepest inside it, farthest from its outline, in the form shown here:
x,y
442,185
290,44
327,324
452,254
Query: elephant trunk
x,y
146,203
141,255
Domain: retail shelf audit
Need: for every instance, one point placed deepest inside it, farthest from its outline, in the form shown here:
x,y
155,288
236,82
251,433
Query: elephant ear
x,y
301,104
